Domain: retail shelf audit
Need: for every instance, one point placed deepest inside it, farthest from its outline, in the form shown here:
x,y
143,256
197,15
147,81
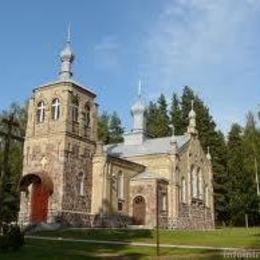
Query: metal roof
x,y
147,176
148,147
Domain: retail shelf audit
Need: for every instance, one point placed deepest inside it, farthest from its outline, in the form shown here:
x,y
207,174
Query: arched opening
x,y
42,188
139,210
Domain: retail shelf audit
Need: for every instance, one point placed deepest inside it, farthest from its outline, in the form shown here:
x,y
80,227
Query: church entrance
x,y
139,210
39,203
41,190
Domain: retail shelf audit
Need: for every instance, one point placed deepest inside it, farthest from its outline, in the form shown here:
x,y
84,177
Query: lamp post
x,y
157,219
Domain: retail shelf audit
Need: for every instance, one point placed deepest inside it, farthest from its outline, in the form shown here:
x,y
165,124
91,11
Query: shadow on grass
x,y
38,249
57,250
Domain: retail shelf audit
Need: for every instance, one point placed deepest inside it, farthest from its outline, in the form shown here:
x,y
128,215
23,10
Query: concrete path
x,y
141,244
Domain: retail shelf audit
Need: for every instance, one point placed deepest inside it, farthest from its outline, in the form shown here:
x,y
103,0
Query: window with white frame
x,y
55,109
40,112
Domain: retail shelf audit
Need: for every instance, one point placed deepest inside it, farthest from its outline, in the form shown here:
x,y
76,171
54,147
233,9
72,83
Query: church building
x,y
70,177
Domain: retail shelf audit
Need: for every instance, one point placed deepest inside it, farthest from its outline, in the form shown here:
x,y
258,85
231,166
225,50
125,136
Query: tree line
x,y
235,159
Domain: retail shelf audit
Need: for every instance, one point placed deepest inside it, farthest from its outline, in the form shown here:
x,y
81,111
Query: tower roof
x,y
138,106
67,57
192,113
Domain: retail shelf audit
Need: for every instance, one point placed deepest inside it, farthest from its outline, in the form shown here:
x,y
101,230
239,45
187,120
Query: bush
x,y
12,238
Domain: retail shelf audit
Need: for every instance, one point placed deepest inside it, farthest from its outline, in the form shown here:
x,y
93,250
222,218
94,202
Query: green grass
x,y
61,250
228,237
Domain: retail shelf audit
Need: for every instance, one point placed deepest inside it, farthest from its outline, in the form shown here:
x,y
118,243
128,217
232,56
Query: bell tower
x,y
60,140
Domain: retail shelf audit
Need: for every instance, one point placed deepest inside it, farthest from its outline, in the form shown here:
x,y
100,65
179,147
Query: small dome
x,y
67,54
138,106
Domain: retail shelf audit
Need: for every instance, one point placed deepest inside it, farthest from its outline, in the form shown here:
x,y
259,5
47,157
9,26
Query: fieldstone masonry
x,y
71,178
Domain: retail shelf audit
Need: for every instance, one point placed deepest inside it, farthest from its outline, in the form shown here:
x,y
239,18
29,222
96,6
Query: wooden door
x,y
39,203
139,210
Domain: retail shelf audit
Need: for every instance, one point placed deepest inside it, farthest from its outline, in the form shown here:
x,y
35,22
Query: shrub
x,y
12,238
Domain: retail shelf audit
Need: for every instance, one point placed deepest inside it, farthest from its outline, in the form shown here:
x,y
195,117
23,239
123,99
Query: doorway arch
x,y
42,189
139,210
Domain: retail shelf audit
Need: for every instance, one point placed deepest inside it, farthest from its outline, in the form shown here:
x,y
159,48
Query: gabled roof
x,y
148,147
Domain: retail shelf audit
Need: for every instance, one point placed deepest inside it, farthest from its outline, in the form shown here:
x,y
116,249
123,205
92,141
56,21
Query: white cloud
x,y
204,43
106,54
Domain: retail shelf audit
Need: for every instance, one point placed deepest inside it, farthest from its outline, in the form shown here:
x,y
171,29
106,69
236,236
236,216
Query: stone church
x,y
71,178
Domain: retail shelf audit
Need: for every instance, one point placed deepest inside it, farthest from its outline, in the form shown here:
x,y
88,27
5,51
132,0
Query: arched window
x,y
120,185
194,182
40,112
87,115
81,184
207,196
55,109
183,190
75,109
86,119
163,202
200,184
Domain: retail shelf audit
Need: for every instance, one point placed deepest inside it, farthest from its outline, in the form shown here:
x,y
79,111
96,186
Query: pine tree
x,y
115,129
163,120
236,172
186,98
220,177
157,119
251,148
151,121
176,116
103,128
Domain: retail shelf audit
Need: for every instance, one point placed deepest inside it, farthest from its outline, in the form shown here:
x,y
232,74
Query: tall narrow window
x,y
200,184
75,109
207,196
81,184
194,177
163,202
55,109
183,190
120,185
86,119
40,112
87,115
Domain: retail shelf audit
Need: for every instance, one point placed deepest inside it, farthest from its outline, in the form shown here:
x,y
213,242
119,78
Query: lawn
x,y
45,249
60,250
228,237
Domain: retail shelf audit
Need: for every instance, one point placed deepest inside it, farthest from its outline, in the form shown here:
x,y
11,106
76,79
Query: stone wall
x,y
195,216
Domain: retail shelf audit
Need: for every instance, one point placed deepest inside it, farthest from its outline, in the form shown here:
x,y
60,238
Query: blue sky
x,y
211,45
